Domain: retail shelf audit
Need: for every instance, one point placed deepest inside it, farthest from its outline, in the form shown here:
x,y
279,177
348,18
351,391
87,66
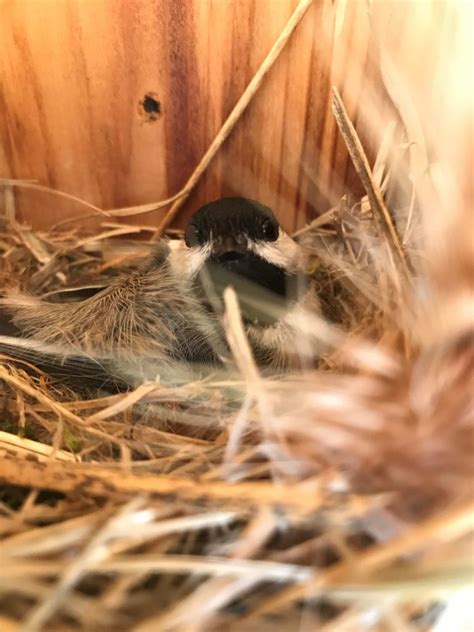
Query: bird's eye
x,y
193,236
270,230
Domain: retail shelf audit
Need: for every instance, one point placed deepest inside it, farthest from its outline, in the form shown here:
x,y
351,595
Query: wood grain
x,y
73,72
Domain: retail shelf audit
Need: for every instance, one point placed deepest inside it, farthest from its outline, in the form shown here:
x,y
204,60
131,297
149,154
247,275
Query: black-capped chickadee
x,y
164,319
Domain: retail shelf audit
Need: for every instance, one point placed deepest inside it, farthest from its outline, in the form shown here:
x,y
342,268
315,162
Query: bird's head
x,y
239,242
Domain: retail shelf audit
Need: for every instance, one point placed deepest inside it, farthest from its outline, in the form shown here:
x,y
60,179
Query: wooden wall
x,y
73,74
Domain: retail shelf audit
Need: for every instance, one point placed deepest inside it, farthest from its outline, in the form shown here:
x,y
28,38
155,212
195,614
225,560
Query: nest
x,y
336,498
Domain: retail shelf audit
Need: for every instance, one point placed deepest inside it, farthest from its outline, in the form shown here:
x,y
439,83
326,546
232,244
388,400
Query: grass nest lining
x,y
339,497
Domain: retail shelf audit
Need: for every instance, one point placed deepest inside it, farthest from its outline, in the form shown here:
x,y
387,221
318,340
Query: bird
x,y
164,320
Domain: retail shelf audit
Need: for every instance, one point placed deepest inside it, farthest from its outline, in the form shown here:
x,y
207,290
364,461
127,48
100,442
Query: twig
x,y
238,341
168,563
24,184
25,447
128,211
125,402
362,167
99,481
323,219
9,199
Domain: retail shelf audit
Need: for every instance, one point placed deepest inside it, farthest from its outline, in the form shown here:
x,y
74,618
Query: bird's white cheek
x,y
283,252
197,257
186,262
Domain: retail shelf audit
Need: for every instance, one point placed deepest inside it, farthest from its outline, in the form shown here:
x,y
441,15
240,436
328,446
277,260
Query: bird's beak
x,y
228,245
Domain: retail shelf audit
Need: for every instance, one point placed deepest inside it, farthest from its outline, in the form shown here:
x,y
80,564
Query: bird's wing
x,y
112,321
77,371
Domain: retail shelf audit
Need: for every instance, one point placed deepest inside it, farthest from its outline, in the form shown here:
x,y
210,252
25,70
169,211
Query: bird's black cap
x,y
232,216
